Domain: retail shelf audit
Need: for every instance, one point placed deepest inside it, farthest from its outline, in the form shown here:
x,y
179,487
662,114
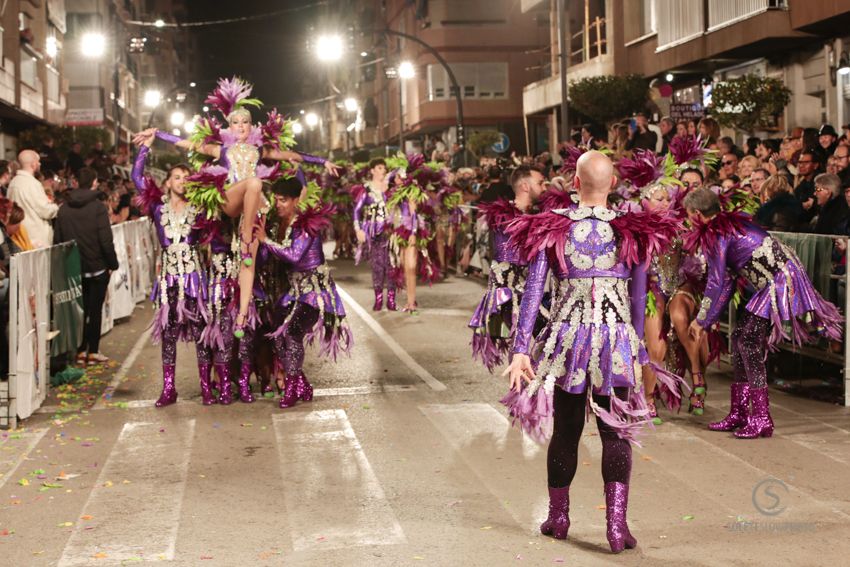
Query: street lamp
x,y
351,104
51,46
152,98
312,119
297,128
406,70
329,48
93,45
178,118
159,23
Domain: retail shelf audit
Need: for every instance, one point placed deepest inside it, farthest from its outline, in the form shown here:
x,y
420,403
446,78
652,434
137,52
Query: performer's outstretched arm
x,y
720,285
535,284
637,290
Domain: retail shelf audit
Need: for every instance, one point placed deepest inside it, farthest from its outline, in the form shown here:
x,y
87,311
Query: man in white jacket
x,y
28,193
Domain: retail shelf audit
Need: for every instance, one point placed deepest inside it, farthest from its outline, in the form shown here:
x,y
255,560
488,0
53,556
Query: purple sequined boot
x,y
225,397
391,305
558,523
244,384
169,390
616,504
290,392
304,388
738,409
759,422
204,372
379,300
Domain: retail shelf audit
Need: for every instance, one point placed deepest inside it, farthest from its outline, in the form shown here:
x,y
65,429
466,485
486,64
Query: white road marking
x,y
119,376
448,312
333,498
414,366
139,519
468,427
32,439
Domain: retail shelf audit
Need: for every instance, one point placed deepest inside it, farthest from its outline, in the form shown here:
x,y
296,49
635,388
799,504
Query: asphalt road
x,y
404,457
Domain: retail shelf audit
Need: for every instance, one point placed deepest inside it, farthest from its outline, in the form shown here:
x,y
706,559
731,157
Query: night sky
x,y
270,52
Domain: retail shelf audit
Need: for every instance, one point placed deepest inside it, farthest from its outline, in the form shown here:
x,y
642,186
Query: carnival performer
x,y
493,321
371,226
592,348
312,307
234,185
735,247
411,236
179,289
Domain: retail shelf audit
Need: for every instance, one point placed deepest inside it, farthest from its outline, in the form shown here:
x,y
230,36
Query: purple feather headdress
x,y
689,150
643,169
231,94
573,153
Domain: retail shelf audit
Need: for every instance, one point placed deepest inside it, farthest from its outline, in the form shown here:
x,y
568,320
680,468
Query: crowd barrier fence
x,y
46,310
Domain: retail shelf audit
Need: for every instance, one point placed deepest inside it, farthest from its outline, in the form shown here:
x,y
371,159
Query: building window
x,y
476,80
639,19
452,13
29,68
53,85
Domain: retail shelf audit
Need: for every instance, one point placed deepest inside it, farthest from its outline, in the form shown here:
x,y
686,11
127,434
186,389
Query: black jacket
x,y
782,212
832,217
85,219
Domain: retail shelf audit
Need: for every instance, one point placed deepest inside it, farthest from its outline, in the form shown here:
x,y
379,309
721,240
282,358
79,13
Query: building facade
x,y
33,88
686,46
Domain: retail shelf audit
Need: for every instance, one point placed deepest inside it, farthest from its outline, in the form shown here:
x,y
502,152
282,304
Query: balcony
x,y
722,13
680,21
529,5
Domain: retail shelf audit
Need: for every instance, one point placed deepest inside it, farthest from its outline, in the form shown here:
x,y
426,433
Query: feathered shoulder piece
x,y
643,234
704,235
358,191
689,151
645,168
569,164
532,234
556,199
313,220
207,131
210,227
499,213
231,94
148,196
277,132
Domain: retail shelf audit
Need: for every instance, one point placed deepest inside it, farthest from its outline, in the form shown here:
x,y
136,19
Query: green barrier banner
x,y
67,296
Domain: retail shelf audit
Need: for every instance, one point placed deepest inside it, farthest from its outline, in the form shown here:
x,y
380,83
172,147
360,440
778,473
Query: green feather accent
x,y
453,200
737,297
255,102
312,198
205,197
397,161
407,193
651,304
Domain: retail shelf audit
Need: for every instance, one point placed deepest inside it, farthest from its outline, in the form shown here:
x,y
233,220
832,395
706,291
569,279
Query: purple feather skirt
x,y
186,314
495,316
786,295
317,289
589,341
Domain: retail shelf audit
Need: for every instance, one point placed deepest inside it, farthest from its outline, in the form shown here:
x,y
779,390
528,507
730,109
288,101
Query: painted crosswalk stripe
x,y
333,498
397,349
136,521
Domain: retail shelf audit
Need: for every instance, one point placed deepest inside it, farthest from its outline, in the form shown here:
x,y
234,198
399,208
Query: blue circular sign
x,y
503,144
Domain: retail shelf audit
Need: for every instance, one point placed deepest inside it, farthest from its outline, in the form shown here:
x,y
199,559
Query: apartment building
x,y
32,85
490,46
687,46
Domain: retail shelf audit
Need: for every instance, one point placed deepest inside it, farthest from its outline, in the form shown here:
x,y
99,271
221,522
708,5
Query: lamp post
x,y
405,71
93,46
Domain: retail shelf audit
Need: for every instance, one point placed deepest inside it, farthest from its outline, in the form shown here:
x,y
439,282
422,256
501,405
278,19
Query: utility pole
x,y
563,60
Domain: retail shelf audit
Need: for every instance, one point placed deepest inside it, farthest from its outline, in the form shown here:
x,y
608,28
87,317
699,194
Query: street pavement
x,y
405,457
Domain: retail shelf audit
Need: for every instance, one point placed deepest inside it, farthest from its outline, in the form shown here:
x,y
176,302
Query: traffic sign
x,y
503,144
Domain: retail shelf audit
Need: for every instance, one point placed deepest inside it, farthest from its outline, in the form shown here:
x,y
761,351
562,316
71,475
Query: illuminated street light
x,y
206,109
669,77
364,54
312,119
193,84
176,131
159,23
189,126
93,45
351,104
152,98
329,48
406,70
297,128
178,118
51,47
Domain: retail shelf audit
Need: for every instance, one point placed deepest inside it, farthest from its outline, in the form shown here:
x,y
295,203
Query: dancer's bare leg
x,y
243,197
441,248
410,257
656,346
682,311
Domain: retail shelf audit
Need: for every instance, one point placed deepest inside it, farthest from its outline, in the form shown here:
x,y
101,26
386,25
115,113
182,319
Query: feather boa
x,y
499,213
704,235
148,196
313,220
556,199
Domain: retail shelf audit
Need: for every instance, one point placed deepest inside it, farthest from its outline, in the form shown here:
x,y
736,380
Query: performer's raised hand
x,y
519,369
361,236
332,168
145,137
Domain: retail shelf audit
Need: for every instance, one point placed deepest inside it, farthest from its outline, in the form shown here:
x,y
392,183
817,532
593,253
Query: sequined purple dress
x,y
494,318
595,331
311,288
782,291
370,216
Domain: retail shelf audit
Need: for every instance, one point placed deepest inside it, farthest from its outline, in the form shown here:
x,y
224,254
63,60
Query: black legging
x,y
562,459
94,294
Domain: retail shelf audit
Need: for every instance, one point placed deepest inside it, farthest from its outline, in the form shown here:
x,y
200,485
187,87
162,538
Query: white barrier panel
x,y
122,297
29,323
132,281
